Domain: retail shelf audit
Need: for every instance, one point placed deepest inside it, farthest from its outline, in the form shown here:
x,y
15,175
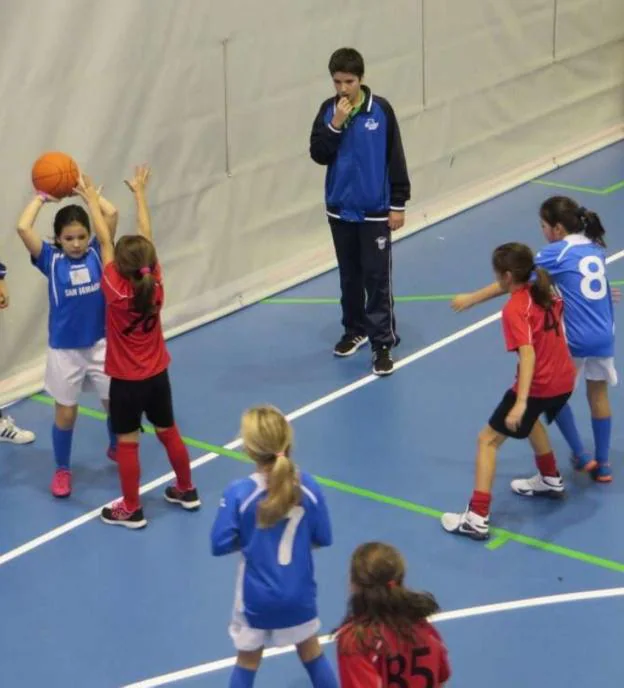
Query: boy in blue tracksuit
x,y
356,135
9,432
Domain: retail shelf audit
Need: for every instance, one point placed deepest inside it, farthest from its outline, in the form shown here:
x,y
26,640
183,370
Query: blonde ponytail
x,y
284,492
267,437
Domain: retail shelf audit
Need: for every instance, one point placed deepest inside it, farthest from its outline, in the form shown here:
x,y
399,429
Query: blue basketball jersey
x,y
276,586
77,309
578,268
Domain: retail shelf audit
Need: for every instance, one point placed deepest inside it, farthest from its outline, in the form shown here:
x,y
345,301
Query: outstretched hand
x,y
139,182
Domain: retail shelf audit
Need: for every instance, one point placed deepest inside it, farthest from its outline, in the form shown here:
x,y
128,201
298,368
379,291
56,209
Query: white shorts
x,y
596,369
247,639
72,371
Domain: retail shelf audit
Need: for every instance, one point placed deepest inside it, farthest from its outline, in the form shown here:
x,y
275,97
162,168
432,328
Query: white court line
x,y
308,408
211,667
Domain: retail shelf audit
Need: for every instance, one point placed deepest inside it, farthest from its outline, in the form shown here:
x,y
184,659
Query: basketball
x,y
55,174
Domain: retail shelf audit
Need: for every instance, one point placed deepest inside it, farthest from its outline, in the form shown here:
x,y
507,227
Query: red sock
x,y
129,473
178,457
547,465
480,503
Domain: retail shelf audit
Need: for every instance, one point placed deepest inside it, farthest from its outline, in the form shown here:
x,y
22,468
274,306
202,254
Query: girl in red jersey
x,y
533,327
137,359
385,639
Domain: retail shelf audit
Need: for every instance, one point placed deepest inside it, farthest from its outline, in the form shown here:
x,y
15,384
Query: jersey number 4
x,y
146,322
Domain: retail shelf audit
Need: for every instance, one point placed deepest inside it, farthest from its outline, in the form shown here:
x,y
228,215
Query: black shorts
x,y
130,399
550,406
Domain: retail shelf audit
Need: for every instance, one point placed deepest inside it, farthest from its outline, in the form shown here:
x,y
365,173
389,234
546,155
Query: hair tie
x,y
145,271
392,584
280,454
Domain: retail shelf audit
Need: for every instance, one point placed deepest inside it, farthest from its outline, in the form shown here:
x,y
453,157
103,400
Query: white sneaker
x,y
469,524
9,432
539,486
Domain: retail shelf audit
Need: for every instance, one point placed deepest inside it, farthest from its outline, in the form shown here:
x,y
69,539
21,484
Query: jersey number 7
x,y
287,541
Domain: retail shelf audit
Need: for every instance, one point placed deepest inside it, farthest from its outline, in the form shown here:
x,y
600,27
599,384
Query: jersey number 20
x,y
594,282
147,322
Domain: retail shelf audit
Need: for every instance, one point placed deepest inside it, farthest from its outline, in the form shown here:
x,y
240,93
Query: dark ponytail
x,y
135,259
517,259
381,601
573,218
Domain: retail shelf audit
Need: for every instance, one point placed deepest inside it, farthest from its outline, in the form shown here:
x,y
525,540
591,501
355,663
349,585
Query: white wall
x,y
496,87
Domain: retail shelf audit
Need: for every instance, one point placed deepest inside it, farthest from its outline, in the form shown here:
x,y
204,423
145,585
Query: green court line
x,y
323,300
501,536
605,191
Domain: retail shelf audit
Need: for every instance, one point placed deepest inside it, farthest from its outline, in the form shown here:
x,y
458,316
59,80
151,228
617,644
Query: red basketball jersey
x,y
135,346
526,323
393,662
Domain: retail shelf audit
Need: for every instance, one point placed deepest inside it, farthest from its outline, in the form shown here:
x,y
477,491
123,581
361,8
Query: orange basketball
x,y
55,174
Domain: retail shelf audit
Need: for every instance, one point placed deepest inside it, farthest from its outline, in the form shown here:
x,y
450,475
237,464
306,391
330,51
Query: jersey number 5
x,y
594,282
287,541
397,665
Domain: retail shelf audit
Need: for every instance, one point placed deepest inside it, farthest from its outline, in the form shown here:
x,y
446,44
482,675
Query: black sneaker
x,y
118,515
349,344
382,361
188,500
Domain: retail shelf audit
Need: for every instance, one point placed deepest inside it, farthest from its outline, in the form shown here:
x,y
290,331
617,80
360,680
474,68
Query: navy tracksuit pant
x,y
364,253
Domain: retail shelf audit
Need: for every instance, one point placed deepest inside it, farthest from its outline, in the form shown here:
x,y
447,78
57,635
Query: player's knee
x,y
65,416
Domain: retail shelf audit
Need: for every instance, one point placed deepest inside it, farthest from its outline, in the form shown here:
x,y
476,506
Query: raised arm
x,y
91,197
111,216
26,222
138,186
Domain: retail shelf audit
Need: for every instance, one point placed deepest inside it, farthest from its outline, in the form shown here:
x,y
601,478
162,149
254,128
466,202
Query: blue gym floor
x,y
97,606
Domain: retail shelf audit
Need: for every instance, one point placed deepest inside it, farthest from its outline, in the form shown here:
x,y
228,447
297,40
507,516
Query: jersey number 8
x,y
593,271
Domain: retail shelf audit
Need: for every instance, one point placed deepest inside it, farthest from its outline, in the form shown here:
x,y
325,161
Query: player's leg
x,y
159,411
9,432
376,258
316,663
64,376
247,665
347,246
581,459
101,383
126,409
601,373
547,482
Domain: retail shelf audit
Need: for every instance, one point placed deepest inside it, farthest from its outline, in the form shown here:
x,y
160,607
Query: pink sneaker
x,y
61,483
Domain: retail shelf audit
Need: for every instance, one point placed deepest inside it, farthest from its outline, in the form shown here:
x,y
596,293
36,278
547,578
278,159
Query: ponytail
x,y
284,492
143,287
592,227
541,289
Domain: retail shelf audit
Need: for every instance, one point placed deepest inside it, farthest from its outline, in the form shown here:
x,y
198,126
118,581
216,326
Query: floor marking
x,y
605,191
343,391
320,300
211,667
501,536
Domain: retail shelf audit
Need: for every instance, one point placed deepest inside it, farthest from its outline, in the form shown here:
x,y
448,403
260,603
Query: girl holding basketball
x,y
76,343
274,518
137,359
386,638
575,257
533,327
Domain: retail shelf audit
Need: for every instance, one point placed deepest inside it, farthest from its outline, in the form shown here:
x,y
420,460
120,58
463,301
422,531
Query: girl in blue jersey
x,y
575,258
76,343
275,517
